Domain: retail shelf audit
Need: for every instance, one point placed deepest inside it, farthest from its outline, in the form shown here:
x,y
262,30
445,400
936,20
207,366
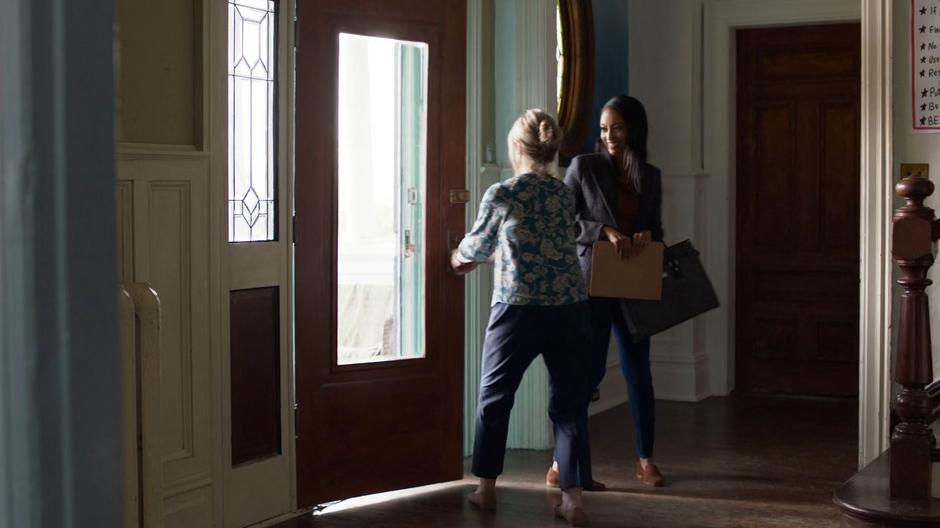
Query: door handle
x,y
453,239
409,245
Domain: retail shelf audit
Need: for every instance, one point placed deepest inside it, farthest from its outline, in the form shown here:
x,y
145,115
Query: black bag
x,y
687,292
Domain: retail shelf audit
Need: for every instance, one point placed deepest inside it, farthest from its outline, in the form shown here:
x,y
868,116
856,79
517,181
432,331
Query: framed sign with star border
x,y
925,65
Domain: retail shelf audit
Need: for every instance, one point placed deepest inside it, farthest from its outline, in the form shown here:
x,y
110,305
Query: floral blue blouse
x,y
529,222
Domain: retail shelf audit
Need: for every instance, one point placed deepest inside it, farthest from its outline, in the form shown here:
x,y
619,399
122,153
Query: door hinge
x,y
296,430
296,32
293,229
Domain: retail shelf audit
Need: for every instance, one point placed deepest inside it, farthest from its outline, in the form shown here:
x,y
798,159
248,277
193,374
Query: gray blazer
x,y
593,180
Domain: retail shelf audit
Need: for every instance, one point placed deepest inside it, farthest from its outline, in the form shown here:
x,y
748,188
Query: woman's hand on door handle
x,y
459,265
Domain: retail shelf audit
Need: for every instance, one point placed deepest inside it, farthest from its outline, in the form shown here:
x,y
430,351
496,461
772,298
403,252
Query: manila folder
x,y
636,277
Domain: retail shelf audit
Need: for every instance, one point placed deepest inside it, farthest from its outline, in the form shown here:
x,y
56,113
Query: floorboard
x,y
744,461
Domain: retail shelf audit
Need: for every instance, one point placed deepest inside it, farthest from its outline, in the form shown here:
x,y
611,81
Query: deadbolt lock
x,y
459,196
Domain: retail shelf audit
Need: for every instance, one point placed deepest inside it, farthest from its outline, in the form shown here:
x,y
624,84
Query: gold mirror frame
x,y
574,107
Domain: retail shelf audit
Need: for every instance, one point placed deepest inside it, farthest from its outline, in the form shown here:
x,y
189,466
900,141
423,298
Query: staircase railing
x,y
912,440
140,405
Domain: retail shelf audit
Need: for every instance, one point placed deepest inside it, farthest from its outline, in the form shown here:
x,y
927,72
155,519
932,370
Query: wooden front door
x,y
380,131
797,190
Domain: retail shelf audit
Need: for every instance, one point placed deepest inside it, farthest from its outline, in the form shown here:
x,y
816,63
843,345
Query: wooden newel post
x,y
912,439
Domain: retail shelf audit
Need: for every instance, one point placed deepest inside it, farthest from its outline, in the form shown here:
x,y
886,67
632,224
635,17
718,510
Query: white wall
x,y
665,60
665,69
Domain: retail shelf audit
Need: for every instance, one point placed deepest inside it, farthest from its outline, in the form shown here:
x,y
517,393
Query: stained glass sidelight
x,y
252,120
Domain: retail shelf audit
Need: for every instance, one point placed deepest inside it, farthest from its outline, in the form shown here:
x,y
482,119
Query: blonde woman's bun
x,y
538,137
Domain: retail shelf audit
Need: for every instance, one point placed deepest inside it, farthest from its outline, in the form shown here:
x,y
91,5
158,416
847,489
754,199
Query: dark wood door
x,y
379,144
797,190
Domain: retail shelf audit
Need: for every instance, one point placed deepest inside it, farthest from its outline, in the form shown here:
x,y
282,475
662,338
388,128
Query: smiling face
x,y
613,132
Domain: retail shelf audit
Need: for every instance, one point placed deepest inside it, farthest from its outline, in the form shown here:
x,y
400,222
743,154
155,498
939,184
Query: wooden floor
x,y
736,462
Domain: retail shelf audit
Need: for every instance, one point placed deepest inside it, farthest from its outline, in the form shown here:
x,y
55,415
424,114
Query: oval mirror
x,y
575,54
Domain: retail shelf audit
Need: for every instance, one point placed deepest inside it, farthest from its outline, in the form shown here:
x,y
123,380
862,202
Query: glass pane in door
x,y
382,137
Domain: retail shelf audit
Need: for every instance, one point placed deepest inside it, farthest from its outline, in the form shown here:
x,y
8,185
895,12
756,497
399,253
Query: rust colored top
x,y
628,207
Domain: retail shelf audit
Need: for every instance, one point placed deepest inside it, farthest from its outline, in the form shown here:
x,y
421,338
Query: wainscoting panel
x,y
190,509
163,233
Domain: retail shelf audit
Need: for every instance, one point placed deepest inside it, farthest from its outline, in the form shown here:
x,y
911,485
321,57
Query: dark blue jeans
x,y
514,337
634,363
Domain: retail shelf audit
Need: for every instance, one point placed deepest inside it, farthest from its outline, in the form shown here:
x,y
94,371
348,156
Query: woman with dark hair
x,y
618,196
526,224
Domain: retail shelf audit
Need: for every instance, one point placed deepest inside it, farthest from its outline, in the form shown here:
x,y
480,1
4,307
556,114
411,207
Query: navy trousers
x,y
514,337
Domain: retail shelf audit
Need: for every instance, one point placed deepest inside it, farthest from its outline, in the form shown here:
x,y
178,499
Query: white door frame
x,y
529,45
722,18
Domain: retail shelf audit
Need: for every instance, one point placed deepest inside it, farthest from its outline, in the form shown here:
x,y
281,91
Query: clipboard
x,y
636,277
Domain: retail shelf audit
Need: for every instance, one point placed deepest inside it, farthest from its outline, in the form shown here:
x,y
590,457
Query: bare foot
x,y
483,500
573,514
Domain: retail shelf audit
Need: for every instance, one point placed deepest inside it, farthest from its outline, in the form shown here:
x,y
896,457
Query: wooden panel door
x,y
379,396
797,190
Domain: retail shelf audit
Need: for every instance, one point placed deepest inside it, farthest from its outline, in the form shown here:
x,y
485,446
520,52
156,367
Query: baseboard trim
x,y
676,377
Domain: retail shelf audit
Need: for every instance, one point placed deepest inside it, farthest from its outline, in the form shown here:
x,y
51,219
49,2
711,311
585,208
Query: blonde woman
x,y
539,307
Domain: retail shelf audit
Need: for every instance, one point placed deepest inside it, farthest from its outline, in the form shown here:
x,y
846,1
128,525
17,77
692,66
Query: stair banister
x,y
914,231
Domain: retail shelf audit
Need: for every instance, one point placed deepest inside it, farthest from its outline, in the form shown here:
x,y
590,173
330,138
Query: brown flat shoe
x,y
575,516
649,476
484,501
552,480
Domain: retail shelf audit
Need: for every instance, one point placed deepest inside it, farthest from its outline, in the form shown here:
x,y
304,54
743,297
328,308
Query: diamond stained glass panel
x,y
252,118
